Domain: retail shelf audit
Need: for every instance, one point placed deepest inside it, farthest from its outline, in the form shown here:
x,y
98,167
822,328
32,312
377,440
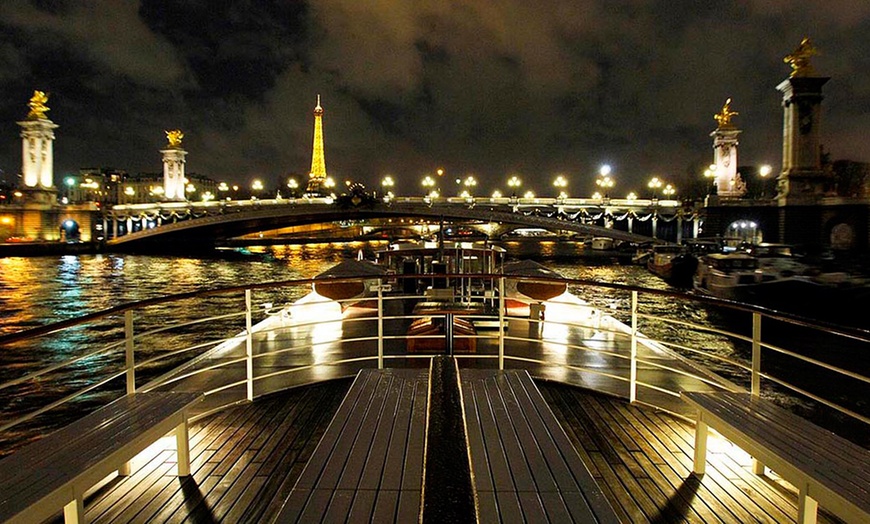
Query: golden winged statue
x,y
724,117
174,136
799,60
37,105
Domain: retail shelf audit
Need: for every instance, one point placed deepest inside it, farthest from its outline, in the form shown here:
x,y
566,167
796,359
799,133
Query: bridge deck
x,y
246,459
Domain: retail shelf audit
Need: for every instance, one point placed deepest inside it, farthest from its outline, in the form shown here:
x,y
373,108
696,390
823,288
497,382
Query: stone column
x,y
174,183
802,180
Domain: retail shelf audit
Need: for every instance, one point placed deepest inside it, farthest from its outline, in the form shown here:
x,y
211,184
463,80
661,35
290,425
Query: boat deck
x,y
246,459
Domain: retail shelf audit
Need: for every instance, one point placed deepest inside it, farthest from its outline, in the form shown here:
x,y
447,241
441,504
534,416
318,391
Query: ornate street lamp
x,y
764,171
470,183
560,184
387,183
431,191
605,182
654,184
710,173
514,183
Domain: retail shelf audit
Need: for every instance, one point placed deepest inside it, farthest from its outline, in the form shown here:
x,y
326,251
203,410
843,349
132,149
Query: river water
x,y
39,290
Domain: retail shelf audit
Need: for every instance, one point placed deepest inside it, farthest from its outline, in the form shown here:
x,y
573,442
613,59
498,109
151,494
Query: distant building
x,y
109,187
92,184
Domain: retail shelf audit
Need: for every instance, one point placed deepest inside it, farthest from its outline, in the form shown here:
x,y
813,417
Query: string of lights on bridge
x,y
436,185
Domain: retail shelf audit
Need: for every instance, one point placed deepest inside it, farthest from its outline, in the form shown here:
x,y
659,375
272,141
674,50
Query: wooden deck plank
x,y
349,472
351,412
398,399
416,440
110,493
283,465
380,404
529,443
520,472
274,459
496,461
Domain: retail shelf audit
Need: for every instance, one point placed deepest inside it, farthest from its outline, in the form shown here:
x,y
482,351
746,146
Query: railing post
x,y
632,394
448,332
128,352
501,321
249,346
380,324
756,354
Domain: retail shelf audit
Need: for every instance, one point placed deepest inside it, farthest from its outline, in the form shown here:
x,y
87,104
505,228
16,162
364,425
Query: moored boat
x,y
673,264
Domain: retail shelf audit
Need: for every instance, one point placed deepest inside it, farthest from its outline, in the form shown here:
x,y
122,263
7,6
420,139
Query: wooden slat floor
x,y
246,459
244,462
642,458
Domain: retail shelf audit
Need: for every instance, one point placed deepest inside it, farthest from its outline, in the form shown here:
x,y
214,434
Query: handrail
x,y
610,328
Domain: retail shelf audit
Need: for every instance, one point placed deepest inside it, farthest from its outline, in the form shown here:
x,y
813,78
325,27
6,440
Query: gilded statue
x,y
37,105
724,117
174,137
799,60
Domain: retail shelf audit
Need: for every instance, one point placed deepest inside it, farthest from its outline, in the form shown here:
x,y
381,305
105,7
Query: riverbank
x,y
37,249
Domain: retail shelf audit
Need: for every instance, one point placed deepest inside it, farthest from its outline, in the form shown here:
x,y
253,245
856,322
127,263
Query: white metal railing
x,y
279,342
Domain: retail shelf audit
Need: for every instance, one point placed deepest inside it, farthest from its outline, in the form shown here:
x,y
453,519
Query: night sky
x,y
533,88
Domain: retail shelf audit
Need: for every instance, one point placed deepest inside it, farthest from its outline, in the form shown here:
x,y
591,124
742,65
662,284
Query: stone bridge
x,y
190,225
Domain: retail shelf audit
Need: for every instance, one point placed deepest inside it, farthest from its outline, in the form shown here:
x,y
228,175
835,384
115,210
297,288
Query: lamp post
x,y
763,172
293,186
514,183
710,173
604,182
654,184
430,191
668,191
387,184
256,188
560,184
470,183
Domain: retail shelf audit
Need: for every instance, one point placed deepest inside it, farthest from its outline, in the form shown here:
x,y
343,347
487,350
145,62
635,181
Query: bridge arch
x,y
205,225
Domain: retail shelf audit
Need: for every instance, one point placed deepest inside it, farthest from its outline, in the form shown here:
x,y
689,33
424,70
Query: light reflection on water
x,y
39,290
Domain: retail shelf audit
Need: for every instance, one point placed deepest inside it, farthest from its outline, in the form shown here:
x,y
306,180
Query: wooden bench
x,y
523,465
825,468
368,466
53,473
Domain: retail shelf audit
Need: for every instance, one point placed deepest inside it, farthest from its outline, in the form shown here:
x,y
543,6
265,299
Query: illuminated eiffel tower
x,y
317,176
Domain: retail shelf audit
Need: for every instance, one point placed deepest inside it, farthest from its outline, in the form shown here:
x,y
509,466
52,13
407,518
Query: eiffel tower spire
x,y
317,176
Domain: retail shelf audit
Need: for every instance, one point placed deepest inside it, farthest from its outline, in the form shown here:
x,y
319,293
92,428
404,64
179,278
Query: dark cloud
x,y
491,88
